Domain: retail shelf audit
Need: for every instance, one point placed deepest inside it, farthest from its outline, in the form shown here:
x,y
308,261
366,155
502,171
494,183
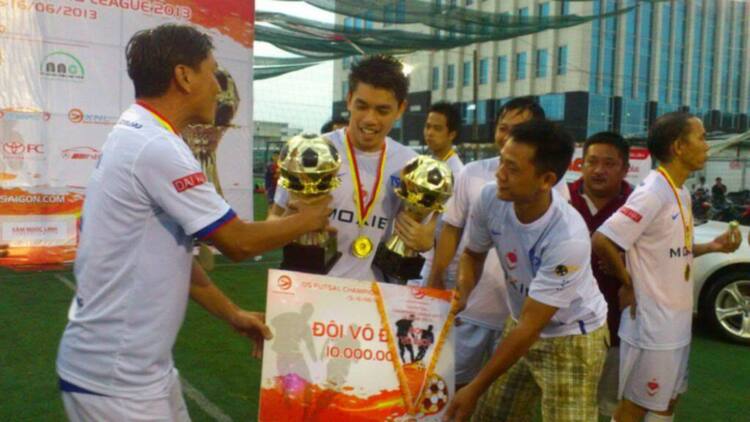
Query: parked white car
x,y
722,285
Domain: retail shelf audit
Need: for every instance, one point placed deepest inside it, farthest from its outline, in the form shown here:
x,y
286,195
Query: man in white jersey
x,y
365,204
554,347
480,325
440,131
655,229
146,203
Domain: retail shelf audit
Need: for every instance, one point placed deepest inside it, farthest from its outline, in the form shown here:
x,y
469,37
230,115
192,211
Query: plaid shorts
x,y
563,371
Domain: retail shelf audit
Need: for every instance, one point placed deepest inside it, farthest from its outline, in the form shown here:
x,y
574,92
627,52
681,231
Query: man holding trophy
x,y
366,206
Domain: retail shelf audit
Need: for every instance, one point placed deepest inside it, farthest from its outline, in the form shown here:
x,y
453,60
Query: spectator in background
x,y
272,177
718,191
335,123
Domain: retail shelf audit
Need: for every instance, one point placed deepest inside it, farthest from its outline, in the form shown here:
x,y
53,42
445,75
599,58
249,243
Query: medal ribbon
x,y
450,154
159,118
364,210
685,222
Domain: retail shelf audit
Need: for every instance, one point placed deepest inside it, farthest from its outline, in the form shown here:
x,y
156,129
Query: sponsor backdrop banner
x,y
640,165
63,84
346,350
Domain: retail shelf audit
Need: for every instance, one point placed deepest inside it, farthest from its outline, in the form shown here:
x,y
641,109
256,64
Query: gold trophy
x,y
204,139
308,167
426,185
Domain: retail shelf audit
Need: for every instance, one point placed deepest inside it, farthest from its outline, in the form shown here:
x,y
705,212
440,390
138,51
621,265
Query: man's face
x,y
517,177
603,169
437,136
507,121
372,113
693,146
205,90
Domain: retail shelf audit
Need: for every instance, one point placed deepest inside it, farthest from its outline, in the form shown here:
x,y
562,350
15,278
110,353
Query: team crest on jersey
x,y
395,181
563,270
188,182
631,214
652,387
511,259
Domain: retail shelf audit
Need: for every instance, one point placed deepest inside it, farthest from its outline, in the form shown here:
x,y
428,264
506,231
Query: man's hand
x,y
626,295
728,241
416,236
461,299
462,406
316,210
252,325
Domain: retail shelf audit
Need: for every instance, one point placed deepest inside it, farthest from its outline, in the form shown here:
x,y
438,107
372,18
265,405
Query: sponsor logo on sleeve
x,y
631,214
188,182
563,270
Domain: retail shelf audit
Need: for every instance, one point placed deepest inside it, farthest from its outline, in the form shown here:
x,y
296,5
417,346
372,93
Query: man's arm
x,y
469,269
240,240
534,317
206,294
609,252
726,242
444,253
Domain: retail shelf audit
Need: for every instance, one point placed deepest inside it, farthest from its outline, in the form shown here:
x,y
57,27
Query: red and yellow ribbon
x,y
364,210
450,154
685,216
158,116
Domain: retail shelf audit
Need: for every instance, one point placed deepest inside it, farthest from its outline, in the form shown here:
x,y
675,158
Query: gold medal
x,y
362,247
687,272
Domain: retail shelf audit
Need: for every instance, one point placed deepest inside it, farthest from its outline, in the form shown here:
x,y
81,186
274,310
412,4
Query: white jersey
x,y
649,229
456,165
487,304
344,215
548,260
146,201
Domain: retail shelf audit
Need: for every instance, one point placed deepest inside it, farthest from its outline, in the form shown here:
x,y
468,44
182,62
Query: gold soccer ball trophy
x,y
426,185
204,139
308,168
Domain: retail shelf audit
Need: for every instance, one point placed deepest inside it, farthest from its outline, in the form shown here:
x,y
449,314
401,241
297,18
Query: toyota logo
x,y
417,292
284,282
75,115
13,148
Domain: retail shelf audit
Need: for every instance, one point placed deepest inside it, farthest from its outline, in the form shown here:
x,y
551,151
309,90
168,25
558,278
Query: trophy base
x,y
314,259
396,266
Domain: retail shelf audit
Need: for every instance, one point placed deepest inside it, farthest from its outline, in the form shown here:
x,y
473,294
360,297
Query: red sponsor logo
x,y
284,282
512,259
184,183
631,214
18,148
81,153
638,153
576,164
652,387
75,115
417,292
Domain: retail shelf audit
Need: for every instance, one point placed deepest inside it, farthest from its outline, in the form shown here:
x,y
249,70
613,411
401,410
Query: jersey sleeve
x,y
173,179
457,207
627,224
562,272
478,224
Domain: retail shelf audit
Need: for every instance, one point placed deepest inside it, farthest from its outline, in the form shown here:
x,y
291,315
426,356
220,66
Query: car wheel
x,y
726,306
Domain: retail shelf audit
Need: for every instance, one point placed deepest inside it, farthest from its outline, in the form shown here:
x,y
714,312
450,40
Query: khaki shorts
x,y
562,371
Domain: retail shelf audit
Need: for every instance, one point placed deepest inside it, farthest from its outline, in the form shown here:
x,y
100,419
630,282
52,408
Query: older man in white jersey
x,y
365,205
655,229
554,346
146,203
480,324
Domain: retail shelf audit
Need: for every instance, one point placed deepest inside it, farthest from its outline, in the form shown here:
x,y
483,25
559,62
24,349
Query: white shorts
x,y
474,344
83,407
607,393
652,378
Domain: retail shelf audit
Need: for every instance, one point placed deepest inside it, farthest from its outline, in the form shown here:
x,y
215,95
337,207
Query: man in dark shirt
x,y
425,341
403,334
600,192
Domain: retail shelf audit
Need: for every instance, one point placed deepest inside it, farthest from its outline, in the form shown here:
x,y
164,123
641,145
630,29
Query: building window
x,y
450,76
521,66
562,60
346,62
502,68
481,112
564,7
544,9
469,2
344,89
553,105
523,12
348,24
484,70
435,78
541,63
467,73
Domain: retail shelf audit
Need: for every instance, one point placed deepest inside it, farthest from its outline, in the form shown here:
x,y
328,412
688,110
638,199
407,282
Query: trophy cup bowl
x,y
308,168
203,140
426,185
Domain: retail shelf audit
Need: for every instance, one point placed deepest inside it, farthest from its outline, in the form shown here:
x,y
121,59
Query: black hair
x,y
667,129
380,71
610,138
152,54
451,113
521,104
328,126
553,145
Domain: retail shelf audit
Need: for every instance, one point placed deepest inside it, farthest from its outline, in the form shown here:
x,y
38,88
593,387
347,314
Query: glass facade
x,y
695,76
544,9
450,76
599,114
521,65
645,18
466,77
679,21
502,69
666,31
595,39
609,52
709,54
435,78
629,69
562,60
553,105
542,62
484,70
